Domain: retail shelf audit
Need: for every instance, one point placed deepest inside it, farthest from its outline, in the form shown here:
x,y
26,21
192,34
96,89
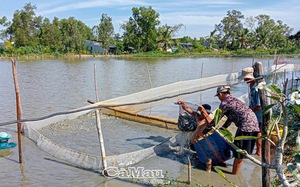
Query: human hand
x,y
201,109
184,106
180,102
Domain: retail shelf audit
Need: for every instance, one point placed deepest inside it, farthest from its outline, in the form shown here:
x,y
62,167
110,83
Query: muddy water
x,y
81,134
50,86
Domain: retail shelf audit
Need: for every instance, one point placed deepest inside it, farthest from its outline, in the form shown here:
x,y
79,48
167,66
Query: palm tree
x,y
261,37
165,34
212,38
243,37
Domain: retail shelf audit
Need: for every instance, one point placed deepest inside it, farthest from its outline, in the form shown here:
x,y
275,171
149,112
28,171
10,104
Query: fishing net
x,y
186,121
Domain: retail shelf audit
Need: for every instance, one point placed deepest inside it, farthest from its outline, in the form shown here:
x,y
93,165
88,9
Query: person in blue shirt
x,y
254,103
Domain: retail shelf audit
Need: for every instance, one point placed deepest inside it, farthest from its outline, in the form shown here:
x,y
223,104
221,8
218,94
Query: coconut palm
x,y
211,39
242,38
165,35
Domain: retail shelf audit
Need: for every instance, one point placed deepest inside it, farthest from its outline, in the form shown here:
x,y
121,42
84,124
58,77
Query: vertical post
x,y
98,121
276,61
18,103
150,85
201,78
149,75
208,165
189,171
201,71
265,156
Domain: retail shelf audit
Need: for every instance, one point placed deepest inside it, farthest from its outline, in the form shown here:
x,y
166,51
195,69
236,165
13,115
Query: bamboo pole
x,y
201,76
149,76
208,165
98,122
18,103
189,171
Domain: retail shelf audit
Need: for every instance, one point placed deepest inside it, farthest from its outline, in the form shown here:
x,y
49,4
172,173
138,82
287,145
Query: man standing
x,y
254,103
245,120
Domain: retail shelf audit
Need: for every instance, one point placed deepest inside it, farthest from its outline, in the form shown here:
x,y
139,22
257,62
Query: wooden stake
x,y
189,171
208,165
149,75
150,84
201,78
98,121
18,103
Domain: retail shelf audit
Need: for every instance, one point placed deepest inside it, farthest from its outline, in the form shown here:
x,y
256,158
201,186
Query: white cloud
x,y
198,16
88,4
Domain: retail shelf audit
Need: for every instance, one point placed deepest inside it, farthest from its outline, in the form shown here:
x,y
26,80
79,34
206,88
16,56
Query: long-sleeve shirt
x,y
240,114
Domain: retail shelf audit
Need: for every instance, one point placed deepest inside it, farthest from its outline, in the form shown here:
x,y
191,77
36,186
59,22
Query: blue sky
x,y
198,16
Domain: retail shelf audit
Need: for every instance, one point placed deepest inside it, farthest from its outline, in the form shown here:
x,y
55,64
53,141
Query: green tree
x,y
243,38
38,31
212,38
105,31
140,31
250,23
51,35
229,27
269,34
186,39
75,34
9,47
295,36
295,40
280,35
263,31
5,23
23,26
119,43
130,38
197,46
165,35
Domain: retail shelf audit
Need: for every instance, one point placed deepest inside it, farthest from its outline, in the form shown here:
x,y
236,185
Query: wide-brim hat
x,y
224,88
248,73
4,135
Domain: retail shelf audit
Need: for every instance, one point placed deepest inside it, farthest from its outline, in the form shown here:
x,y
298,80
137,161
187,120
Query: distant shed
x,y
95,47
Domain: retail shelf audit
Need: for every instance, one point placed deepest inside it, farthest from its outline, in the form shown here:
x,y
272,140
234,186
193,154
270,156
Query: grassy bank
x,y
155,54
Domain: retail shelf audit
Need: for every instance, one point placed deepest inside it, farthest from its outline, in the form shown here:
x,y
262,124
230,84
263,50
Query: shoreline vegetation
x,y
143,36
146,55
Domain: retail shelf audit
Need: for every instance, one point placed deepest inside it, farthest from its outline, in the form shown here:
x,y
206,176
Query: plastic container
x,y
213,147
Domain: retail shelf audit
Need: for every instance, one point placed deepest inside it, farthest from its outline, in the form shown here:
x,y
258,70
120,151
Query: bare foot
x,y
258,154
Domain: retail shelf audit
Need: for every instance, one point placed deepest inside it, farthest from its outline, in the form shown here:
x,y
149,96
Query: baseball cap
x,y
224,88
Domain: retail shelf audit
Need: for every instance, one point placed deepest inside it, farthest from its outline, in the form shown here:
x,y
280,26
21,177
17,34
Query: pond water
x,y
48,86
120,136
